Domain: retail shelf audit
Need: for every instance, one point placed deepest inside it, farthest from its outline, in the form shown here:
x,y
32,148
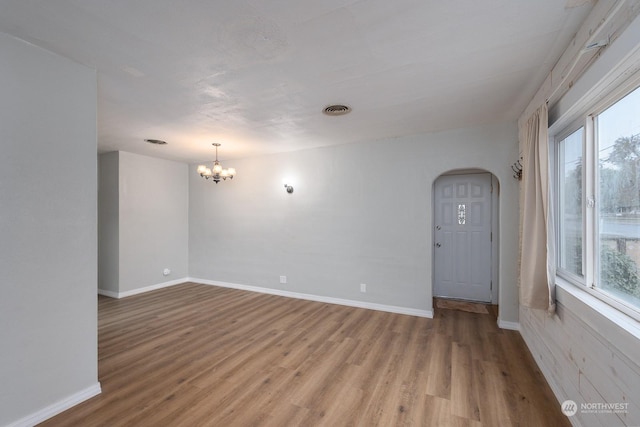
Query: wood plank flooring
x,y
198,355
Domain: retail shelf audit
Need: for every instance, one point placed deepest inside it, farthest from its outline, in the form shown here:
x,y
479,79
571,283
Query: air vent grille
x,y
336,110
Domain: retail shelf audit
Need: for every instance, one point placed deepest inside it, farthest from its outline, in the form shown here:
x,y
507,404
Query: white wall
x,y
360,213
144,204
108,223
154,220
48,228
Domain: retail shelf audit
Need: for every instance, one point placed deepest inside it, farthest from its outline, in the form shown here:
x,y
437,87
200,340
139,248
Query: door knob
x,y
438,244
438,227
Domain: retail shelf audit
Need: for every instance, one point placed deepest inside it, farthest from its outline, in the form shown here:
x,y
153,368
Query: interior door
x,y
462,237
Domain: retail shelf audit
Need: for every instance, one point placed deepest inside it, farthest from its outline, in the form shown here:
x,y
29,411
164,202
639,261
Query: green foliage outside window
x,y
618,271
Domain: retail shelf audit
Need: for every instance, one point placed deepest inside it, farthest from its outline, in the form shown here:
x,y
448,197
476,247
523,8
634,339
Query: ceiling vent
x,y
156,141
336,110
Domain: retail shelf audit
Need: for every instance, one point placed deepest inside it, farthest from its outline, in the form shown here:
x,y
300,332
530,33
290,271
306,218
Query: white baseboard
x,y
106,293
318,298
514,326
58,407
118,295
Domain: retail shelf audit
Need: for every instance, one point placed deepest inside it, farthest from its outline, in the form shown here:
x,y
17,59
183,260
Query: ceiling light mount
x,y
216,173
336,110
156,141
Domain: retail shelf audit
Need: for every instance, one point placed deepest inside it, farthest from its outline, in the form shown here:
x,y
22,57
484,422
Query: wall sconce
x,y
289,188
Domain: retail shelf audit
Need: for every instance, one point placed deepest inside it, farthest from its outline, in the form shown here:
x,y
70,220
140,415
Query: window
x,y
598,203
570,203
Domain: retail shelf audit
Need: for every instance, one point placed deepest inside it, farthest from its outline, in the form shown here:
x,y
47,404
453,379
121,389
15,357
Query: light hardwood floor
x,y
193,355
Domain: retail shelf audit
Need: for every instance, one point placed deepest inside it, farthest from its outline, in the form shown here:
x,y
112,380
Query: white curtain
x,y
537,288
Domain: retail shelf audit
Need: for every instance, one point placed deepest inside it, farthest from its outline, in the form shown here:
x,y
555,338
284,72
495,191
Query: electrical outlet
x,y
283,279
363,287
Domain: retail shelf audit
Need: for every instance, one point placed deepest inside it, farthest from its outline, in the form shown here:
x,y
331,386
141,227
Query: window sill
x,y
616,327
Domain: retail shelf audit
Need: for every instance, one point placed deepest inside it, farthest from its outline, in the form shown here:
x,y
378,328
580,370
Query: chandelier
x,y
216,173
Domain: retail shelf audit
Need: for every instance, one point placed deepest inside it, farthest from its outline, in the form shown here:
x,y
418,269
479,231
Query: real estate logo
x,y
569,408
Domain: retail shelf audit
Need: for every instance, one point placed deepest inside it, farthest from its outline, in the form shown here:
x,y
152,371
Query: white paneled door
x,y
462,237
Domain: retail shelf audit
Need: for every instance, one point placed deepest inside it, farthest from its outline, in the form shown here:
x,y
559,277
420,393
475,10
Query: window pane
x,y
619,198
570,192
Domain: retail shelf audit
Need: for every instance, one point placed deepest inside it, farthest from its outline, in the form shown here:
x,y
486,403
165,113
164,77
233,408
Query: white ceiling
x,y
255,75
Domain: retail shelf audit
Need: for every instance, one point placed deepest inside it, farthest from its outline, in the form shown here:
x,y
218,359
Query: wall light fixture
x,y
289,188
